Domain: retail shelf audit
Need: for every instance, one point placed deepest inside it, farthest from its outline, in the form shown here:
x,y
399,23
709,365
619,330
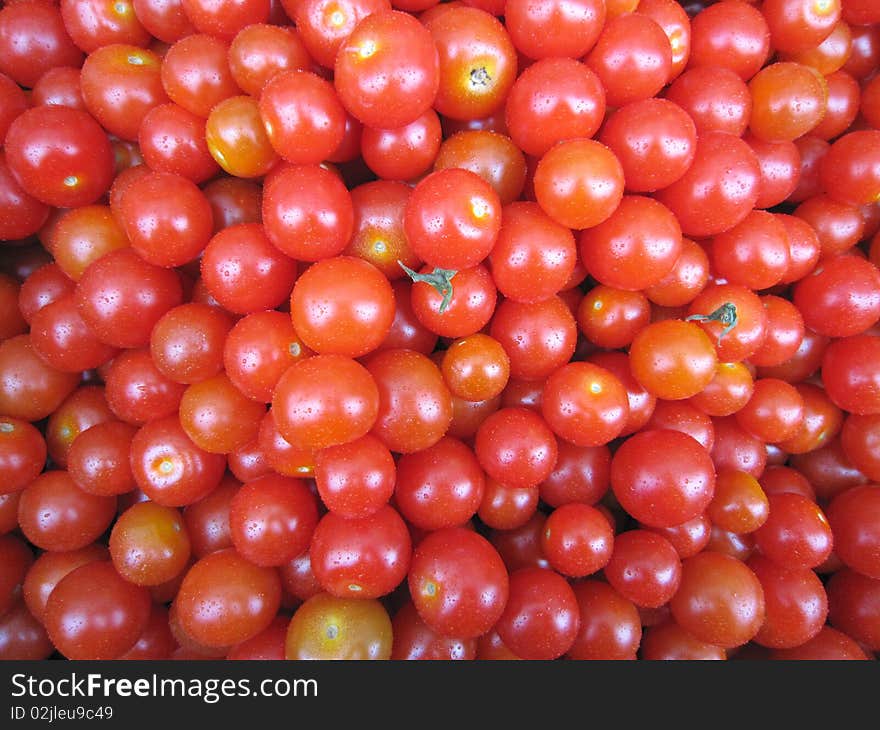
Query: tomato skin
x,y
195,73
167,218
30,390
632,57
169,468
164,19
22,636
14,102
22,454
852,606
850,375
94,613
662,477
21,214
440,486
120,84
552,100
452,219
796,533
244,272
149,544
655,141
415,405
121,297
542,615
538,337
302,116
137,391
533,256
577,540
357,478
551,29
796,604
731,34
610,627
99,461
327,627
841,297
226,18
386,72
312,411
415,640
243,599
33,38
516,447
60,156
307,212
472,305
477,62
579,183
720,600
377,553
585,404
852,516
707,204
271,519
621,253
672,359
458,582
829,643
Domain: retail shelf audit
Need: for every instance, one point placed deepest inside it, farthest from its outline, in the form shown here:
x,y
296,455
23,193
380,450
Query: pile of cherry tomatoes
x,y
408,329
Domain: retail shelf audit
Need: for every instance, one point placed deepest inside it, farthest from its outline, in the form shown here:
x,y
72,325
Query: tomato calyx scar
x,y
725,314
440,279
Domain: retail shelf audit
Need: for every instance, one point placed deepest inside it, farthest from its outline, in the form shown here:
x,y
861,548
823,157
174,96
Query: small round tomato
x,y
94,613
577,540
357,478
673,359
342,306
440,486
662,477
796,533
579,183
387,71
635,247
364,557
272,519
243,599
585,404
644,567
452,219
307,212
415,405
516,447
327,627
303,117
149,544
60,156
458,582
542,615
720,600
325,400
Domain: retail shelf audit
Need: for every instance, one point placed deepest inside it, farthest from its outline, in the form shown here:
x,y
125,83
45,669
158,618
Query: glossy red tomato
x,y
243,599
93,613
387,71
542,615
458,582
662,477
324,401
364,557
60,156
